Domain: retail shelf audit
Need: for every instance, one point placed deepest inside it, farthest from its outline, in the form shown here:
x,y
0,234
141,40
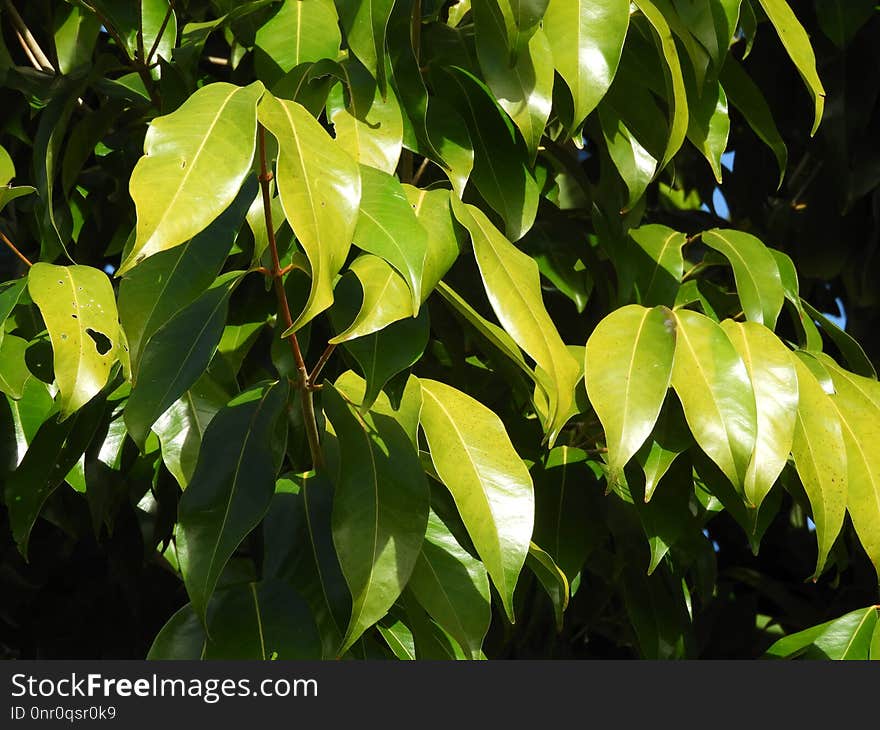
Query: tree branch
x,y
15,250
35,54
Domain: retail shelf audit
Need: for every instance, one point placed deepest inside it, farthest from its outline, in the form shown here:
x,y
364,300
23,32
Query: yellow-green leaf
x,y
79,309
797,44
820,458
513,285
628,366
713,385
775,383
490,484
320,190
195,160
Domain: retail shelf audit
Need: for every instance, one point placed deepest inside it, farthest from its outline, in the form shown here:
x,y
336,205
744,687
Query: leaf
x,y
658,282
840,20
491,486
79,309
775,384
745,95
820,458
387,227
182,427
523,86
182,637
586,59
850,349
320,190
434,214
14,372
263,620
551,578
709,124
512,283
500,172
380,510
299,549
634,163
453,587
76,31
364,23
156,290
195,161
449,134
712,23
758,282
55,449
10,294
368,122
713,385
399,639
175,358
669,439
299,32
788,275
386,299
678,104
628,366
230,490
797,44
846,637
857,400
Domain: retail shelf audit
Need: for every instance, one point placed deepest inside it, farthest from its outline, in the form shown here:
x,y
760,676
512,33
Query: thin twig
x,y
420,171
26,38
303,383
322,361
160,34
15,250
27,51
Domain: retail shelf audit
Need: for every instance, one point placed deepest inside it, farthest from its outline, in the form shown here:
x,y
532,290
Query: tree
x,y
418,329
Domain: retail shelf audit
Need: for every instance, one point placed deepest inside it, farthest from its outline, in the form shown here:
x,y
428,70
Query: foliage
x,y
412,329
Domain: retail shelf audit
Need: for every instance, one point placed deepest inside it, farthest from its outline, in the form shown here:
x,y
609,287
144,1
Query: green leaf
x,y
820,457
399,639
195,161
387,227
320,189
788,275
230,490
364,22
7,167
53,452
840,20
797,44
182,427
758,282
658,281
299,32
299,549
434,214
669,439
182,637
857,400
175,358
163,285
386,299
847,637
745,95
512,283
634,163
76,31
453,587
586,59
628,366
709,124
14,372
850,349
380,510
713,385
449,134
264,620
491,486
678,104
368,123
775,385
79,309
500,173
523,86
551,578
713,23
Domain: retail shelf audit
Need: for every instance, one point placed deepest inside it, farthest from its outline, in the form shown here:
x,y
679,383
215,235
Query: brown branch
x,y
15,250
420,171
319,366
28,42
303,384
